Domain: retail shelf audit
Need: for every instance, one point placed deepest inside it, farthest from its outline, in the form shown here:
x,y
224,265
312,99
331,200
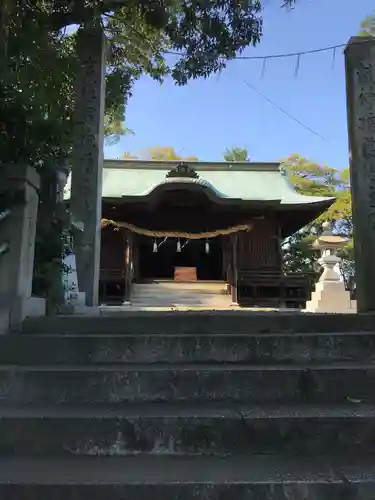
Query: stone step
x,y
318,384
179,297
173,301
156,304
201,322
175,294
169,292
184,478
191,298
264,349
181,294
185,286
177,429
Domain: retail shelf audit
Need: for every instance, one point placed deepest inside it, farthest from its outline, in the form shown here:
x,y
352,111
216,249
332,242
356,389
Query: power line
x,y
243,58
264,58
284,111
274,56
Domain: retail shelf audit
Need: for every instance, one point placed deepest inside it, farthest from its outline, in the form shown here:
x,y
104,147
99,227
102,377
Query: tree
x,y
37,88
368,26
159,153
165,153
310,178
204,34
236,154
129,156
38,65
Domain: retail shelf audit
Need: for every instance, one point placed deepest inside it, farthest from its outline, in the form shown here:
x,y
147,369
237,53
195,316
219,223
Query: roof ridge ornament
x,y
182,170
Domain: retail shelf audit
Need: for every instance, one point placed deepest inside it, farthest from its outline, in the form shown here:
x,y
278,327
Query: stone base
x,y
4,318
35,307
77,299
331,297
13,312
83,310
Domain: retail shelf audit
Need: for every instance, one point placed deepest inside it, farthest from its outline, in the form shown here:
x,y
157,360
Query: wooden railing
x,y
274,289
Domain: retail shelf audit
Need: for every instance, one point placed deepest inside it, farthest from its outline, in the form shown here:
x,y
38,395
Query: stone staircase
x,y
197,294
226,405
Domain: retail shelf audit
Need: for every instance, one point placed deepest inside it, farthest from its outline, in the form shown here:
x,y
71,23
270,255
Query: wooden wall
x,y
112,249
259,249
116,263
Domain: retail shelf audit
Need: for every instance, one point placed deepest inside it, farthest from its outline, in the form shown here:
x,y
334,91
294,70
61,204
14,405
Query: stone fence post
x,y
17,231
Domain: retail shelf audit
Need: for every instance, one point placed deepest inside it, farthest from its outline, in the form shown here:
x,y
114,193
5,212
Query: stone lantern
x,y
330,295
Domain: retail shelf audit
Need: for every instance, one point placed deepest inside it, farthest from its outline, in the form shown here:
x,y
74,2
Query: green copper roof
x,y
240,181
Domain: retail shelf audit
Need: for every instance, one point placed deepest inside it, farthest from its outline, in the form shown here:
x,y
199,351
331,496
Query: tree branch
x,y
79,14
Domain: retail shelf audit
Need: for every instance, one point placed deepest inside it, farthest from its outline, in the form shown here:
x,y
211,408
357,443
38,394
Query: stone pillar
x,y
360,87
18,230
87,169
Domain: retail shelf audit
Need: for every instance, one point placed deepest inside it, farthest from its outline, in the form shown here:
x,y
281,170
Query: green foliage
x,y
299,256
34,99
368,26
236,154
37,88
114,129
159,153
38,64
313,179
204,33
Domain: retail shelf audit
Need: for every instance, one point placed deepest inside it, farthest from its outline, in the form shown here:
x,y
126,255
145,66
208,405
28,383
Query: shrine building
x,y
202,221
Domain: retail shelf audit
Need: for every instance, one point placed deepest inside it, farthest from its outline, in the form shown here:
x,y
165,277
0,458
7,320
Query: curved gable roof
x,y
230,181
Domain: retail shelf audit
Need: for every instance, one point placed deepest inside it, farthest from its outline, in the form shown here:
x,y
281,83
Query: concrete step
x,y
178,429
184,478
319,384
263,349
201,322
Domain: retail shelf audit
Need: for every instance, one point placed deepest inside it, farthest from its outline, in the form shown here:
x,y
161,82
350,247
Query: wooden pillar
x,y
225,244
360,88
135,257
128,251
279,251
235,269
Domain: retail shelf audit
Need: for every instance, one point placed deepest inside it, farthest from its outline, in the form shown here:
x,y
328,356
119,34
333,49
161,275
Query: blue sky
x,y
206,116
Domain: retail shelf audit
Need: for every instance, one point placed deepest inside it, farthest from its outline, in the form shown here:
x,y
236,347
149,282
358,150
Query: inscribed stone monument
x,y
86,193
360,83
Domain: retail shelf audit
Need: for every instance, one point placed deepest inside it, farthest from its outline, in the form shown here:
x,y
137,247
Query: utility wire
x,y
284,111
243,58
265,58
274,56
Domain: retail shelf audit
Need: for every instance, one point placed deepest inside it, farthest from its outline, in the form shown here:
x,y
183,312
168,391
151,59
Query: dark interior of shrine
x,y
161,264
